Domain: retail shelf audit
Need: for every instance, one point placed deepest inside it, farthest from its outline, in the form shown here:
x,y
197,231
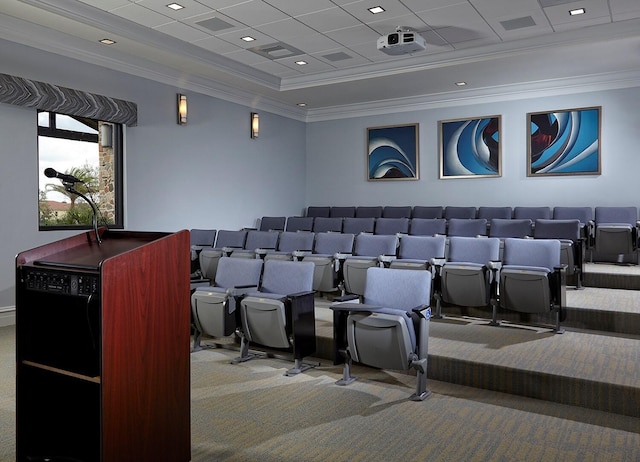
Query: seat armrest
x,y
299,254
423,311
494,265
346,298
386,259
341,256
241,290
301,294
349,307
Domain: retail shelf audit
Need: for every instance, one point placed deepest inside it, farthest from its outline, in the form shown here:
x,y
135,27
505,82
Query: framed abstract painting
x,y
392,153
470,148
565,142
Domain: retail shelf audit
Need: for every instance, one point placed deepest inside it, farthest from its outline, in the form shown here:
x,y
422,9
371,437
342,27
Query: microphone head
x,y
50,173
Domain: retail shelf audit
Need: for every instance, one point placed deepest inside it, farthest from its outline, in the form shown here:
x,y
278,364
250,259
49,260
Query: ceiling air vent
x,y
518,23
277,50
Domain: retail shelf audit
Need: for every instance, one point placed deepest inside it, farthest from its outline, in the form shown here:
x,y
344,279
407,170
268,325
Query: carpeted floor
x,y
252,412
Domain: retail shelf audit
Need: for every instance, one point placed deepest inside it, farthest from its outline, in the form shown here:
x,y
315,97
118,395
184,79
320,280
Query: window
x,y
90,150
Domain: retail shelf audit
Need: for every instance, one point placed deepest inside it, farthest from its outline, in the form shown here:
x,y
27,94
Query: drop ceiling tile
x,y
218,20
354,59
326,20
216,45
141,15
277,69
253,13
217,4
389,25
313,64
315,43
540,25
181,31
392,9
624,9
454,15
235,37
493,8
288,29
246,57
593,9
106,4
418,6
471,31
191,8
577,25
354,36
298,7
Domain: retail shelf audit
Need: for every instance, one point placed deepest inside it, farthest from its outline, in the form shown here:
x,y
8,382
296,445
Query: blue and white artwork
x,y
564,142
392,153
470,147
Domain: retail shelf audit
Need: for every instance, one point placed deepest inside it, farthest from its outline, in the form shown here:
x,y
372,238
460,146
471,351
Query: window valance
x,y
47,97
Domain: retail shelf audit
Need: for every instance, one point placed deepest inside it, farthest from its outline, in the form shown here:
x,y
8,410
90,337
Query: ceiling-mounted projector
x,y
402,41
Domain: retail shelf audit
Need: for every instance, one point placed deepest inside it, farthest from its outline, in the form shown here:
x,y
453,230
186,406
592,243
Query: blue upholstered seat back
x,y
466,227
510,227
292,241
495,212
474,249
331,243
261,240
202,237
397,288
392,225
287,277
618,215
422,247
374,245
533,213
557,229
583,214
227,238
299,224
428,226
542,253
234,272
326,224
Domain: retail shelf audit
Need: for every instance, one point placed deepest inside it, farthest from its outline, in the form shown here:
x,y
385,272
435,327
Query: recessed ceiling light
x,y
301,104
107,41
175,6
248,38
577,11
301,63
376,9
461,84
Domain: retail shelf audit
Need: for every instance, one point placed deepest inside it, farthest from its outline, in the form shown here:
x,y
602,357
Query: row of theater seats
x,y
608,232
269,302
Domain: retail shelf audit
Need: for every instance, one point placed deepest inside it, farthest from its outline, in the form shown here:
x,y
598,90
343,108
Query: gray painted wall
x,y
336,166
207,174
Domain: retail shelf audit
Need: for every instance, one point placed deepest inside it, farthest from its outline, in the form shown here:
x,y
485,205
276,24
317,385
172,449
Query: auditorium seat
x,y
514,227
532,213
416,252
280,315
423,211
358,225
572,247
214,308
226,242
392,211
392,226
489,213
369,212
616,232
467,227
532,280
329,252
199,240
459,212
428,226
291,246
299,224
257,243
390,329
272,223
318,211
582,214
343,211
369,250
468,276
327,224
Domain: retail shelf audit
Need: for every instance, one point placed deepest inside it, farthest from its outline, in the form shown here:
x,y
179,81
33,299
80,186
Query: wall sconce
x,y
182,109
106,135
255,125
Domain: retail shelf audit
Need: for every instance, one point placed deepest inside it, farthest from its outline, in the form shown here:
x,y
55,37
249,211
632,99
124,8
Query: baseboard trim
x,y
7,316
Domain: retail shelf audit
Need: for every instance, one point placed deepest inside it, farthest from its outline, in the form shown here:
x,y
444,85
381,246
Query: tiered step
x,y
594,364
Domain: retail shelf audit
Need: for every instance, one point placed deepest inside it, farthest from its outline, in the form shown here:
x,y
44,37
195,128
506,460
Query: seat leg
x,y
347,378
438,314
197,338
244,350
421,381
494,315
299,367
558,329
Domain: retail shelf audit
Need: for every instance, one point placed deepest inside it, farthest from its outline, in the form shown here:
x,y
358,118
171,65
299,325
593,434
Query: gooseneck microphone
x,y
68,182
52,173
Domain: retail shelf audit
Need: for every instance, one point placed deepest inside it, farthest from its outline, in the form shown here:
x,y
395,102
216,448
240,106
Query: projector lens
x,y
392,39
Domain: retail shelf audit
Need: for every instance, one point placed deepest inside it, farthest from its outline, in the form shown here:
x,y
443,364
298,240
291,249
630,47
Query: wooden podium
x,y
102,349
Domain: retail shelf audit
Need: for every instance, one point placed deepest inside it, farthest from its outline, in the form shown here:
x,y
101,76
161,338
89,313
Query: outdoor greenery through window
x,y
89,150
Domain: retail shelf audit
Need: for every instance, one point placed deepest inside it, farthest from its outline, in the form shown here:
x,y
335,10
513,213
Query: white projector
x,y
402,42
